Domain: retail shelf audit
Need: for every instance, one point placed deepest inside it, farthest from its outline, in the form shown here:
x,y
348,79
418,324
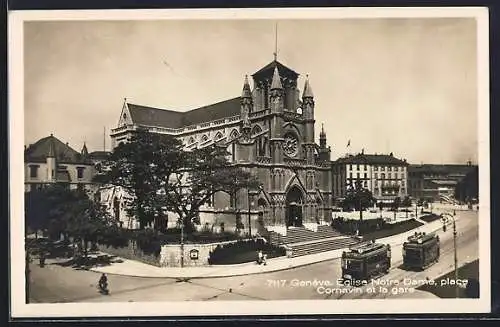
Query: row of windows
x,y
365,183
376,175
376,168
34,171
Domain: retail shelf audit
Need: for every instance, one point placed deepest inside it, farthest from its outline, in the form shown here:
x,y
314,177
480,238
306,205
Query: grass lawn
x,y
468,272
392,229
430,217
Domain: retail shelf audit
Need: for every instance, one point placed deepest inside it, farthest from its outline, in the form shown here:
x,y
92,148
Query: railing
x,y
169,130
259,113
122,128
292,115
264,159
295,162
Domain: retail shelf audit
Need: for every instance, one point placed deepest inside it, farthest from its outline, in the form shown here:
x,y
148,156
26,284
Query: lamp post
x,y
454,250
249,216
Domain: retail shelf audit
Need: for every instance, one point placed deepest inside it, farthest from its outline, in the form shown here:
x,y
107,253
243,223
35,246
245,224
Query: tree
x,y
206,171
70,213
142,167
406,202
160,175
359,198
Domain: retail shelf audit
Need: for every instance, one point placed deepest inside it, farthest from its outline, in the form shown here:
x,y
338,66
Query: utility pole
x,y
457,289
455,253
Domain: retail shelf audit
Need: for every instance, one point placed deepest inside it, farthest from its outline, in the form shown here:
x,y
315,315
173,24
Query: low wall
x,y
194,254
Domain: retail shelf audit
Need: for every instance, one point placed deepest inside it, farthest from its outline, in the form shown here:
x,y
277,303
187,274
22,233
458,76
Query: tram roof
x,y
421,238
366,247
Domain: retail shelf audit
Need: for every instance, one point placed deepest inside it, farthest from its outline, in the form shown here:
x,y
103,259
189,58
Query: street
x,y
55,283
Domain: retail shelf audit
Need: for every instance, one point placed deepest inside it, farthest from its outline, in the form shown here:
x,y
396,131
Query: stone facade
x,y
270,132
384,175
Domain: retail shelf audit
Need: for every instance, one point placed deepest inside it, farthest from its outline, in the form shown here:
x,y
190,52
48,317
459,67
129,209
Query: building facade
x,y
431,182
50,161
384,175
269,131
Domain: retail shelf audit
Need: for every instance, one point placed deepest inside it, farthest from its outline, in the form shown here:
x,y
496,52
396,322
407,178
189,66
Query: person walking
x,y
259,257
103,284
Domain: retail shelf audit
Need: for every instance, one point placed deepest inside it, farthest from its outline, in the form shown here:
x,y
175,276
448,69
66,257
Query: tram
x,y
366,260
421,251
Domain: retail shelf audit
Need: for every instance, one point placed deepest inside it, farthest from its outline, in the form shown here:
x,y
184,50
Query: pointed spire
x,y
52,150
84,151
322,134
308,93
276,83
247,93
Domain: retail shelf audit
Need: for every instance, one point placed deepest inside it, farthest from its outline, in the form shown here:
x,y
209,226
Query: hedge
x,y
243,251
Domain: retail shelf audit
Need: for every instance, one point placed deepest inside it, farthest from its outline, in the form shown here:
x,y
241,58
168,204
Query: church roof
x,y
268,70
150,116
374,159
39,151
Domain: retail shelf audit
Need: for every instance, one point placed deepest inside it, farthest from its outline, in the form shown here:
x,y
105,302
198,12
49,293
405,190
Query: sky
x,y
407,86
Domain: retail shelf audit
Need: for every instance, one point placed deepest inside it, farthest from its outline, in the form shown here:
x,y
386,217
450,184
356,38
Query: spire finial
x,y
275,53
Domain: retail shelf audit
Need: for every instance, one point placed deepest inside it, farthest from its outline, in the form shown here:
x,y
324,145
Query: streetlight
x,y
454,249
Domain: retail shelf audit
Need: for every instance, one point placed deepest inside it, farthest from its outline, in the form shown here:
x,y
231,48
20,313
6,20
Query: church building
x,y
269,130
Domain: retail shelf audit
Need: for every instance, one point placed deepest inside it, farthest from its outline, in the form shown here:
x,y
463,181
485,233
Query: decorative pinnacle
x,y
308,93
247,93
276,83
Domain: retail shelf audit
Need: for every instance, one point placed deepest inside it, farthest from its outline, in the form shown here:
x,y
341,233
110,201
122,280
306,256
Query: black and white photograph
x,y
250,161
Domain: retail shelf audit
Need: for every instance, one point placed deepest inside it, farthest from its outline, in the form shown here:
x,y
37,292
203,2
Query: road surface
x,y
55,283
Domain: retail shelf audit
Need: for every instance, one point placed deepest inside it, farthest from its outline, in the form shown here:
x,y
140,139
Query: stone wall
x,y
194,254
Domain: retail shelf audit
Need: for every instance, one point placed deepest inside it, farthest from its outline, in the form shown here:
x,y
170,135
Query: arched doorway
x,y
294,202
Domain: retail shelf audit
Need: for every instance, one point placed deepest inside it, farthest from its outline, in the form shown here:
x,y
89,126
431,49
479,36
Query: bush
x,y
243,251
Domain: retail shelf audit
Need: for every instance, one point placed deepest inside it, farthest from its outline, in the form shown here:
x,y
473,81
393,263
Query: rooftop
x,y
374,159
150,116
51,145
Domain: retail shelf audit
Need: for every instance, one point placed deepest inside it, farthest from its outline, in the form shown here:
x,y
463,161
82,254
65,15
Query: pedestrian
x,y
264,259
103,283
259,257
42,259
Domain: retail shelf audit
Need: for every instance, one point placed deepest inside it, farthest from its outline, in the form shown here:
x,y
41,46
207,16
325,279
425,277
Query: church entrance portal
x,y
294,202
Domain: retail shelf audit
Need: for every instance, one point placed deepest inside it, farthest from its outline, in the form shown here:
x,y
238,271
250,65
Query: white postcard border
x,y
289,307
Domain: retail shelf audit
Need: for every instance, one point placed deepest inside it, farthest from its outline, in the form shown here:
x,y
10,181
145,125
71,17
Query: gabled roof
x,y
374,159
219,110
268,70
143,115
39,151
150,116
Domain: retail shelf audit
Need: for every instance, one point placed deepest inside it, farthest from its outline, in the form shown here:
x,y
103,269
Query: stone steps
x,y
321,246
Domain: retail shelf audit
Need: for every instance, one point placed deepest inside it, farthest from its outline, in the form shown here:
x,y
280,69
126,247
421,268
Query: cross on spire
x,y
275,53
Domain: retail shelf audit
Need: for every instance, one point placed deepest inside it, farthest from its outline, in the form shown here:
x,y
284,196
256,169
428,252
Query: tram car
x,y
366,260
421,251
